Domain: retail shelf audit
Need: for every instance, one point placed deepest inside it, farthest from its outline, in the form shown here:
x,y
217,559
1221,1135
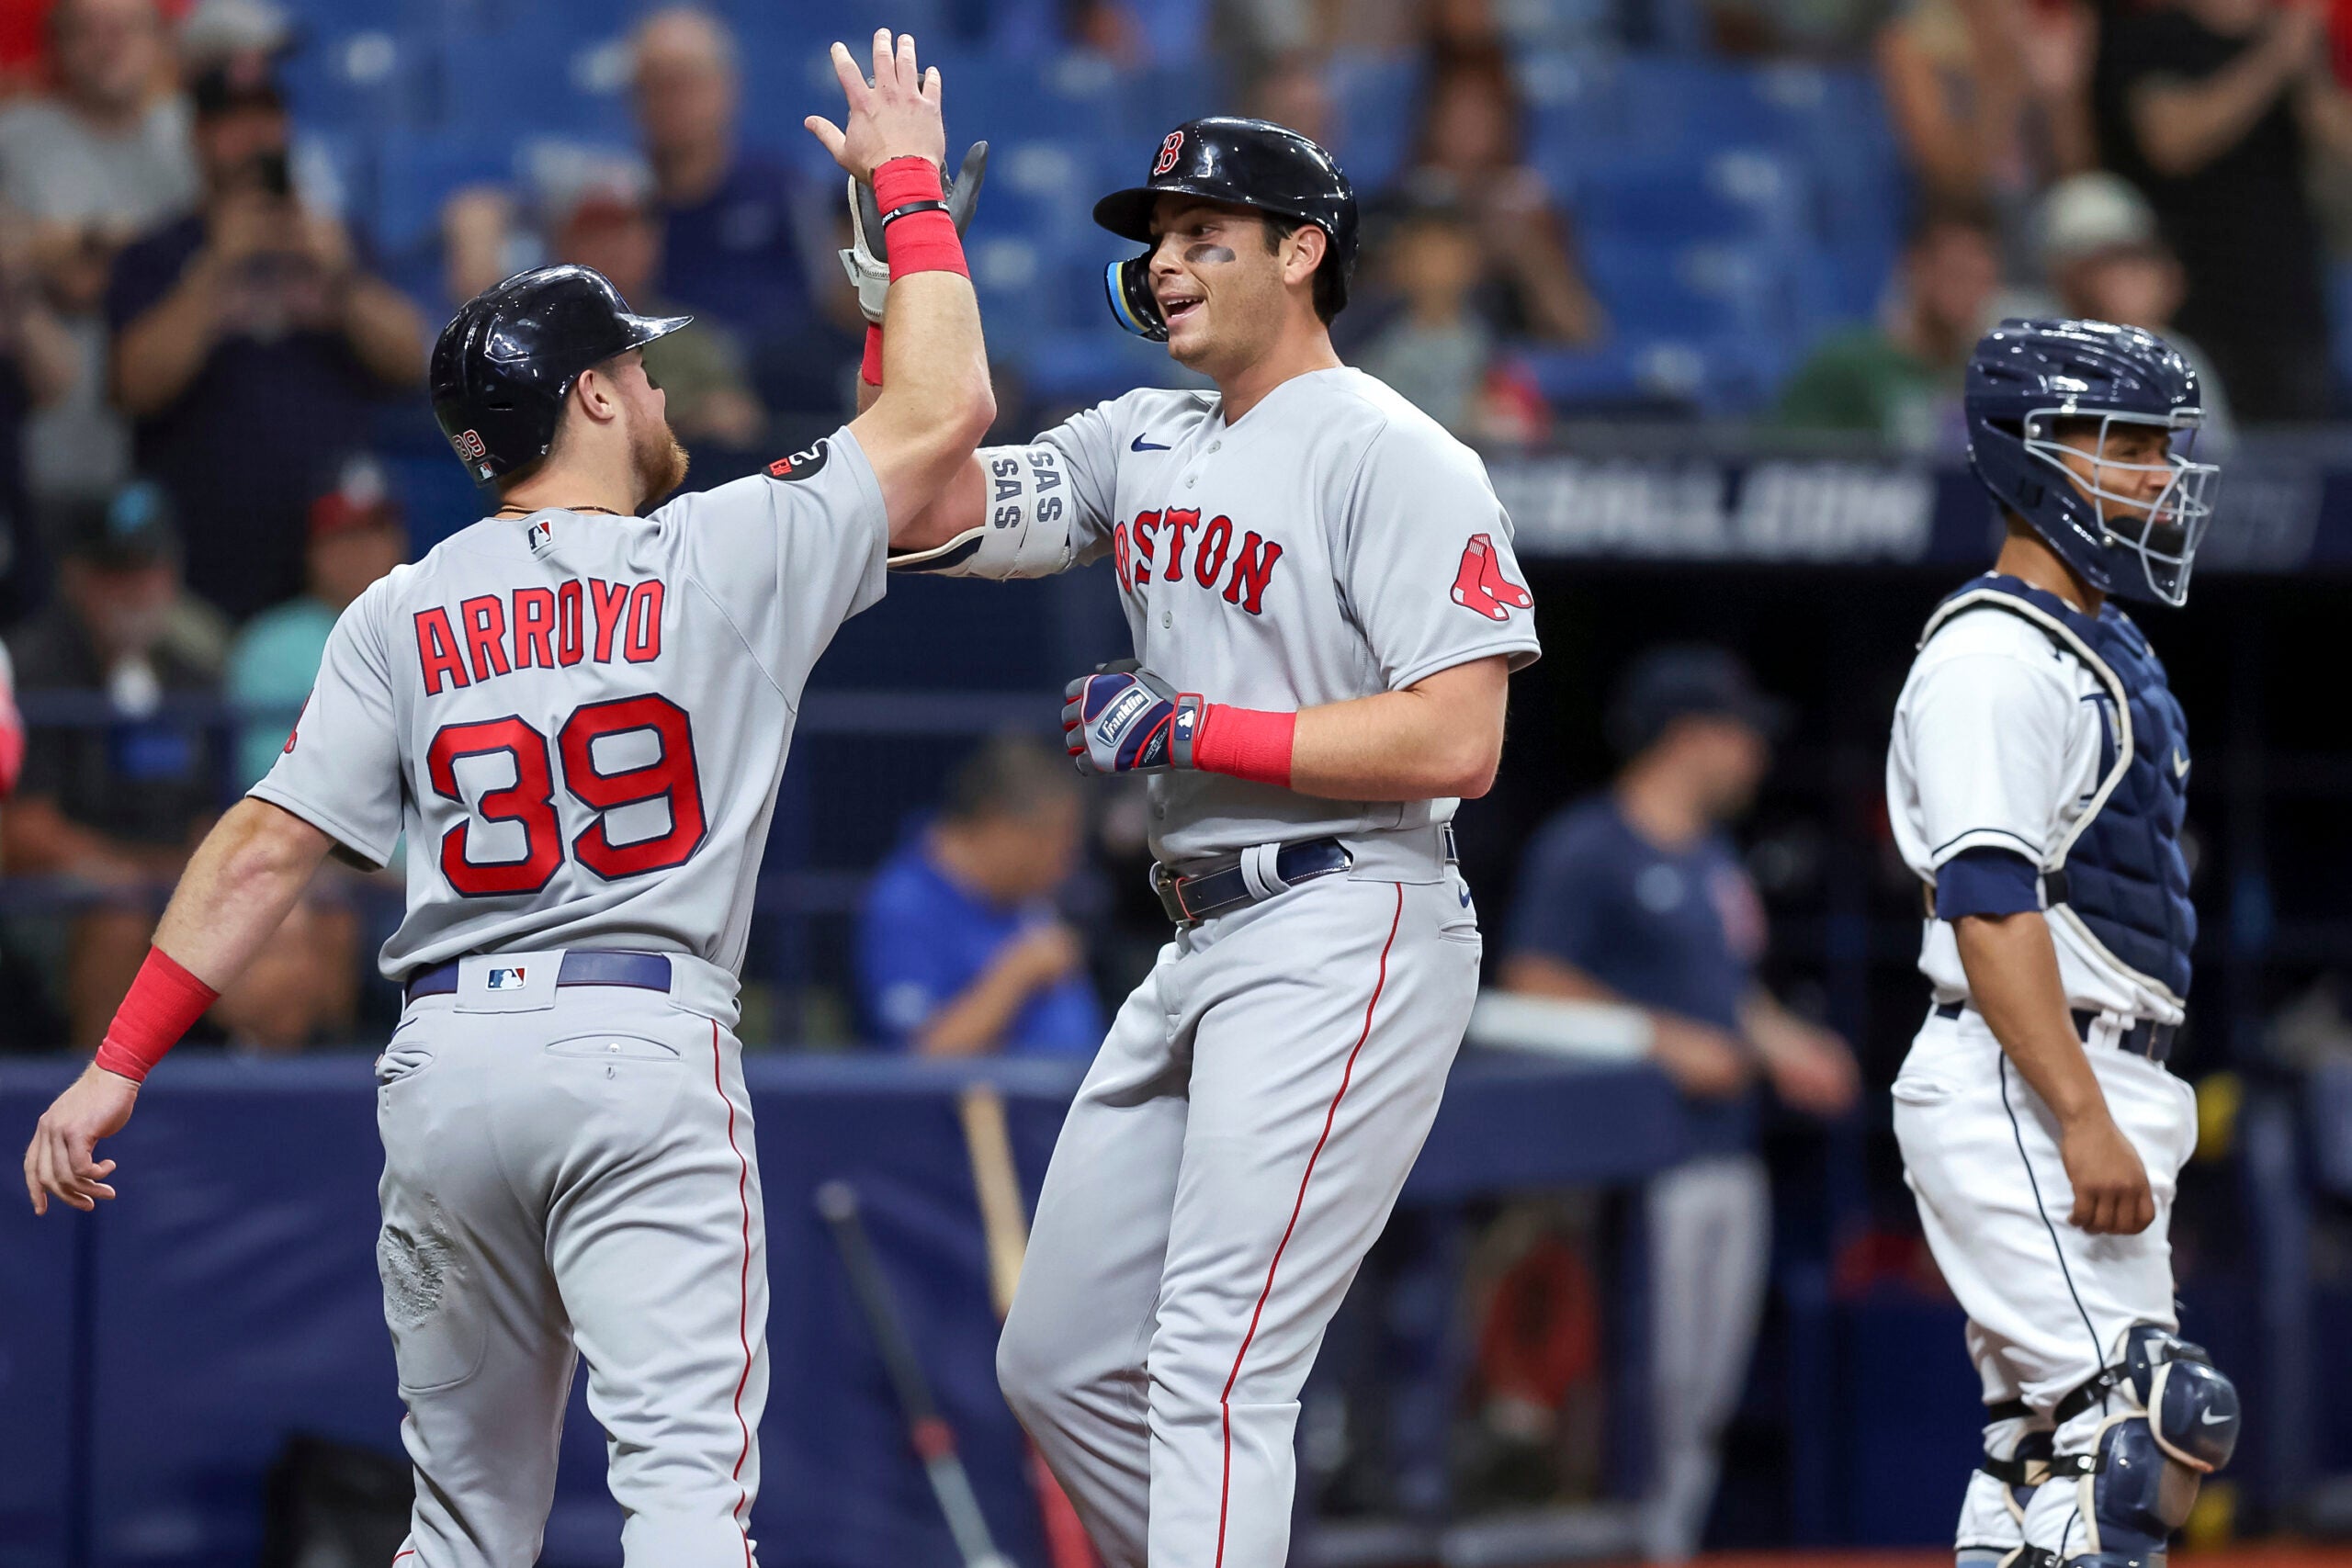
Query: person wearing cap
x,y
2105,261
112,804
248,338
1636,896
357,535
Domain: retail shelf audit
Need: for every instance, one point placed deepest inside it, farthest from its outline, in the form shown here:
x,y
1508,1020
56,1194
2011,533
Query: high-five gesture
x,y
894,116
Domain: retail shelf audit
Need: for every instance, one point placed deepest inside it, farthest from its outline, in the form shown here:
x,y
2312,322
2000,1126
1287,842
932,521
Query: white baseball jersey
x,y
1997,743
579,720
1334,543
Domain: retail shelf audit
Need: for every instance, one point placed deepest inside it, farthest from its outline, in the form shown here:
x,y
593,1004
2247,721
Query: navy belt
x,y
1190,898
581,966
2144,1038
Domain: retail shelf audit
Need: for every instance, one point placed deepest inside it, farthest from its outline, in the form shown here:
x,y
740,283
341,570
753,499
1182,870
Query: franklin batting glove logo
x,y
1169,149
1128,706
1479,584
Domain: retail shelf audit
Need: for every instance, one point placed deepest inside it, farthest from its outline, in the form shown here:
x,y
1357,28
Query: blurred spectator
x,y
1990,101
357,536
102,158
1901,381
1637,896
2106,261
959,950
250,338
2213,108
616,232
1467,154
1438,352
808,378
39,363
1293,92
118,803
728,249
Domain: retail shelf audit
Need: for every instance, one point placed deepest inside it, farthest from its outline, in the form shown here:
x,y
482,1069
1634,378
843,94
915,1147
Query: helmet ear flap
x,y
1128,284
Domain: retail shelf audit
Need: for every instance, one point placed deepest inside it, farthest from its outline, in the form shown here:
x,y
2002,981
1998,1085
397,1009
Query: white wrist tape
x,y
1027,530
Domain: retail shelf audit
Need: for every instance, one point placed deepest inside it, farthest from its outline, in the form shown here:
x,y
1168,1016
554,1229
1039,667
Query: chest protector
x,y
2118,877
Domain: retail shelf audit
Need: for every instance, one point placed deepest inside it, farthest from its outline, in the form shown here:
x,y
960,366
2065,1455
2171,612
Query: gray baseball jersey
x,y
1251,1117
581,721
1335,543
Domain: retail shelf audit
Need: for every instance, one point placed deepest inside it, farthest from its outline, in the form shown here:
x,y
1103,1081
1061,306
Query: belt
x,y
1232,881
581,966
2143,1038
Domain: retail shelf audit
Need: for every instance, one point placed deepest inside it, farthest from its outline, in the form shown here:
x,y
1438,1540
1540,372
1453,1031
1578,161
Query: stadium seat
x,y
1374,99
1729,193
416,171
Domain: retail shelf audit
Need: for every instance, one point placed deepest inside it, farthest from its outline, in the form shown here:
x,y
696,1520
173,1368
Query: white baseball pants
x,y
2047,1303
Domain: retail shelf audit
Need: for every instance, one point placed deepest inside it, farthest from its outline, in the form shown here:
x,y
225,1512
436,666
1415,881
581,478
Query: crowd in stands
x,y
203,339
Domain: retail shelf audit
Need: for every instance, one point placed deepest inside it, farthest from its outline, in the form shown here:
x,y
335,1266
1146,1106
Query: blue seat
x,y
1375,101
1730,192
415,172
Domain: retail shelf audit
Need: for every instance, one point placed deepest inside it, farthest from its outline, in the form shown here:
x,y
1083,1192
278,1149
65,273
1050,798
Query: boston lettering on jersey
x,y
494,634
1242,568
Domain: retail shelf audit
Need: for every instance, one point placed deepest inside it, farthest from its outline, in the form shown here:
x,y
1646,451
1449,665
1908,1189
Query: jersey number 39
x,y
530,799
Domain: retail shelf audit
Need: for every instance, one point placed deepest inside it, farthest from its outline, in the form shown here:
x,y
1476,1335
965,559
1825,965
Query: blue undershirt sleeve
x,y
1986,880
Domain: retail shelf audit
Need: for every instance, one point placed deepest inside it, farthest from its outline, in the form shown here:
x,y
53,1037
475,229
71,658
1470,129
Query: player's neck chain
x,y
528,511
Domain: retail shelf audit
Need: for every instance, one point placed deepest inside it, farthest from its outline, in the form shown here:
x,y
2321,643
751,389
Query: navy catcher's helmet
x,y
506,361
2024,379
1250,163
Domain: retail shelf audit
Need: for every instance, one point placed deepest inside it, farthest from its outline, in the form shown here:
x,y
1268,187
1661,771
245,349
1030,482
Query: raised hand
x,y
894,116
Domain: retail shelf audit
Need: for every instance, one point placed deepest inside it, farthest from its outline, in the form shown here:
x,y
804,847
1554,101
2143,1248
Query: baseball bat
x,y
1004,1223
933,1439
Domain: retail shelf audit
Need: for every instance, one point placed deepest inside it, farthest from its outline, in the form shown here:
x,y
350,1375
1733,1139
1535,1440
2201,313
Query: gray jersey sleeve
x,y
792,551
1425,561
1089,444
341,769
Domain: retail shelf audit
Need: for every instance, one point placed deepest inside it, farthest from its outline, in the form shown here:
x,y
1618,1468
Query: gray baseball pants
x,y
570,1173
1234,1152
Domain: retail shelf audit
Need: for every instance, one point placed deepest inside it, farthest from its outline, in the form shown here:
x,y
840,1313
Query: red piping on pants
x,y
1224,1405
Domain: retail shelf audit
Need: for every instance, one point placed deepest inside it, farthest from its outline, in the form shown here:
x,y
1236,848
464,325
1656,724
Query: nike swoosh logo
x,y
2179,764
1466,897
2214,1417
1140,445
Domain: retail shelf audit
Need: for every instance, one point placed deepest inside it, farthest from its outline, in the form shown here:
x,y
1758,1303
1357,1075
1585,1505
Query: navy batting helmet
x,y
506,361
2027,377
1250,163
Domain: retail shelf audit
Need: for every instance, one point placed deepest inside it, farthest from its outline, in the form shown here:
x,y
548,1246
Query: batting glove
x,y
1124,719
867,260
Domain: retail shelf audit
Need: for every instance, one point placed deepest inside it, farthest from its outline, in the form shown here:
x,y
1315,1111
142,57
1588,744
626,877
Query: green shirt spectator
x,y
357,536
1901,381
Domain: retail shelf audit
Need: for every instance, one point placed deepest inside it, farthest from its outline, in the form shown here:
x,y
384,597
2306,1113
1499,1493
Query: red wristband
x,y
1245,743
921,242
162,1003
870,372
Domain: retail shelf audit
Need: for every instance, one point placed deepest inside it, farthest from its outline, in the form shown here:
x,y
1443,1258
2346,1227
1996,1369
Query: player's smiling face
x,y
1216,281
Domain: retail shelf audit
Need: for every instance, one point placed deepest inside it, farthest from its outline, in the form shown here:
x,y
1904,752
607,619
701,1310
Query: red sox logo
x,y
1168,152
1480,585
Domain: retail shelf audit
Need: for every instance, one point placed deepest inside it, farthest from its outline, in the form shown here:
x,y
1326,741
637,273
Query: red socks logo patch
x,y
1480,584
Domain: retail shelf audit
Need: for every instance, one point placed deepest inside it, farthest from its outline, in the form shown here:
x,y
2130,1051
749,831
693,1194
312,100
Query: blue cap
x,y
1683,681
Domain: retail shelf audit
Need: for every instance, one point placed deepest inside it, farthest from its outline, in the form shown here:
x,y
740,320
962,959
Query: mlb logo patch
x,y
506,979
542,537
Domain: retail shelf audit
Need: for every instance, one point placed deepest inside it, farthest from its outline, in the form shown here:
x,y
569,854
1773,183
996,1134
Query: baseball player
x,y
1325,611
2036,783
578,714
